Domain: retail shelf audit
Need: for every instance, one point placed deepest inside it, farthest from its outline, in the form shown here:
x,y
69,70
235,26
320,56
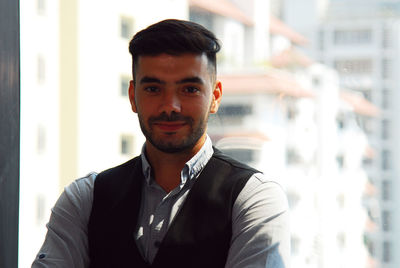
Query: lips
x,y
169,126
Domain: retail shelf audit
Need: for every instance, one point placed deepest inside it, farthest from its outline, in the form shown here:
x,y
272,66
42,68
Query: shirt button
x,y
157,244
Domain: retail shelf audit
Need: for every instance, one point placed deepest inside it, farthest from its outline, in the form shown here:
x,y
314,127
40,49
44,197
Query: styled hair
x,y
175,37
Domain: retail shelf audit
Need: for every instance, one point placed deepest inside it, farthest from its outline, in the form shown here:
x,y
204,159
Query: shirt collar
x,y
192,168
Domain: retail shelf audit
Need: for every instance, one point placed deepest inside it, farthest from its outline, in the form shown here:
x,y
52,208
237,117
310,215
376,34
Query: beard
x,y
180,145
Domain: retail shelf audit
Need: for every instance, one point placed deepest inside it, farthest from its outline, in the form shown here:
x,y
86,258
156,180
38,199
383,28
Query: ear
x,y
132,96
217,96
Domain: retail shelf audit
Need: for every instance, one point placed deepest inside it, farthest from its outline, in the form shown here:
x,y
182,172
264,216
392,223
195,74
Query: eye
x,y
191,90
151,89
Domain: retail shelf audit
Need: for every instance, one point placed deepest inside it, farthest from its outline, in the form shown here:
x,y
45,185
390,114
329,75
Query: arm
x,y
66,243
260,226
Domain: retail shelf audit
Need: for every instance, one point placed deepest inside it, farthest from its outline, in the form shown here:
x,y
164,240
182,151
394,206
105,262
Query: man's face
x,y
173,97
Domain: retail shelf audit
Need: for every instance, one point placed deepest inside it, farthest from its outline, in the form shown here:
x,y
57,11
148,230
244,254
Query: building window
x,y
386,190
387,251
386,38
292,156
124,85
370,245
367,93
356,66
341,240
41,139
247,156
386,68
386,221
340,161
295,245
293,199
321,40
41,6
126,27
385,129
386,160
351,37
367,162
233,114
340,199
385,101
291,111
235,110
40,209
126,145
41,69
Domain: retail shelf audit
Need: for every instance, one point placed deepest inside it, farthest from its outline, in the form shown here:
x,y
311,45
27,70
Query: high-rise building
x,y
359,39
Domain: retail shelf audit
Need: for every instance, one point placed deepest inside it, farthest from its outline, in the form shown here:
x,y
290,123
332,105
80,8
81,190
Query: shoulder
x,y
77,196
262,191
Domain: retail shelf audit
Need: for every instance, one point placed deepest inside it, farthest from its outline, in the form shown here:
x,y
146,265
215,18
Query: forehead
x,y
169,64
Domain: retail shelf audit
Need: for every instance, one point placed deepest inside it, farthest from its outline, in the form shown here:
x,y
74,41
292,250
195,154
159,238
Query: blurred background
x,y
309,97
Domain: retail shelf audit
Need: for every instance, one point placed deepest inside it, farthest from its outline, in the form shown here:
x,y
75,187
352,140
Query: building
x,y
359,39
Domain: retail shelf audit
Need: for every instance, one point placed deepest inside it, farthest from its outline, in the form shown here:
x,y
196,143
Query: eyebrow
x,y
147,79
194,79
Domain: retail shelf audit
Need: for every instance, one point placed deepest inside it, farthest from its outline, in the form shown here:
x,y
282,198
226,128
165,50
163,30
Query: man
x,y
181,203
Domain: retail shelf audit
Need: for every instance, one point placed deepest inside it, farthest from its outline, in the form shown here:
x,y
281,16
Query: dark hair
x,y
174,37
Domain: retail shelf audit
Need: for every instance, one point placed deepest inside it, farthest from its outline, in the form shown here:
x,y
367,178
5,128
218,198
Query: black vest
x,y
200,233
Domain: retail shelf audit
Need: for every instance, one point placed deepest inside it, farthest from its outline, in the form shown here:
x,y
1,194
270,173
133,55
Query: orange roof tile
x,y
263,83
360,104
290,57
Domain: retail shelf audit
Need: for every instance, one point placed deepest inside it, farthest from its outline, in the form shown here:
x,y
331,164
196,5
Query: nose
x,y
170,103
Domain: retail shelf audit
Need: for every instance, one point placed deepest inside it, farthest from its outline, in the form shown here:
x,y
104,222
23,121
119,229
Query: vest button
x,y
157,244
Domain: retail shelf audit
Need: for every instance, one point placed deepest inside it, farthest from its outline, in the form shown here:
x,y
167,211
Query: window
x,y
370,245
41,69
41,6
40,209
124,85
386,68
234,113
385,101
367,93
386,190
351,37
385,129
292,156
386,160
126,145
235,110
386,221
341,240
386,38
321,40
126,27
291,111
341,121
244,155
387,251
41,139
356,66
340,199
293,199
295,245
340,161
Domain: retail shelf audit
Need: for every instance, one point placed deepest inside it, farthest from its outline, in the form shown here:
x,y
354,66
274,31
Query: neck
x,y
167,167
